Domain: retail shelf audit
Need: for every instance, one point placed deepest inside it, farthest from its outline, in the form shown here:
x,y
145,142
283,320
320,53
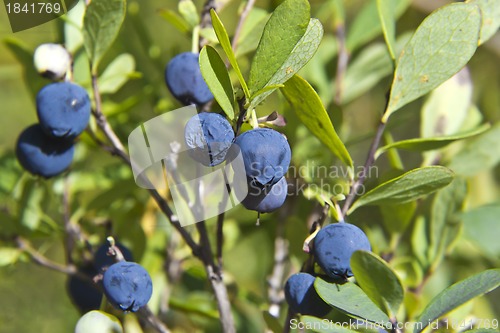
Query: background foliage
x,y
430,243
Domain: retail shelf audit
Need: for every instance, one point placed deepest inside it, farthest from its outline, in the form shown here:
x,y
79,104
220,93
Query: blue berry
x,y
265,199
102,260
127,286
42,155
266,155
63,109
334,246
302,297
82,293
209,136
184,80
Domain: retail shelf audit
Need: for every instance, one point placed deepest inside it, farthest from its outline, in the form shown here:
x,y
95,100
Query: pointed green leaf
x,y
251,31
282,32
189,12
223,37
30,208
387,15
299,56
25,57
478,224
311,112
215,73
350,299
313,324
117,74
371,65
458,294
490,11
423,144
378,281
101,25
441,46
407,187
445,110
9,256
366,25
481,153
175,20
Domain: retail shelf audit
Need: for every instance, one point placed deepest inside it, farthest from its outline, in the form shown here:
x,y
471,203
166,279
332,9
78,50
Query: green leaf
x,y
445,110
117,74
101,25
216,76
312,114
272,322
378,281
350,299
481,153
478,224
30,208
441,46
407,187
387,16
371,65
490,12
300,55
458,294
9,256
25,57
175,20
223,37
444,222
420,241
251,31
189,12
423,144
366,25
396,218
313,324
282,33
73,37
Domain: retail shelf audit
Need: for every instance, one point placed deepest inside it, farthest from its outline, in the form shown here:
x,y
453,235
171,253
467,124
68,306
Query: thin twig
x,y
43,261
68,228
239,27
206,20
370,159
342,60
146,313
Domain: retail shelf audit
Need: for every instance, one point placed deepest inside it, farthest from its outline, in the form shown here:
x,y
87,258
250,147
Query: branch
x,y
206,20
370,159
343,59
43,261
239,27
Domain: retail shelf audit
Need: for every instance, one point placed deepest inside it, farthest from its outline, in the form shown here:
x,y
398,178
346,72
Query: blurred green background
x,y
33,299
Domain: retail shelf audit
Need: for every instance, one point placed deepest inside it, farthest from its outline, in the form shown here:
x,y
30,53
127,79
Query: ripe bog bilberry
x,y
266,155
42,155
334,246
209,136
265,199
302,297
63,109
184,80
127,286
82,293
